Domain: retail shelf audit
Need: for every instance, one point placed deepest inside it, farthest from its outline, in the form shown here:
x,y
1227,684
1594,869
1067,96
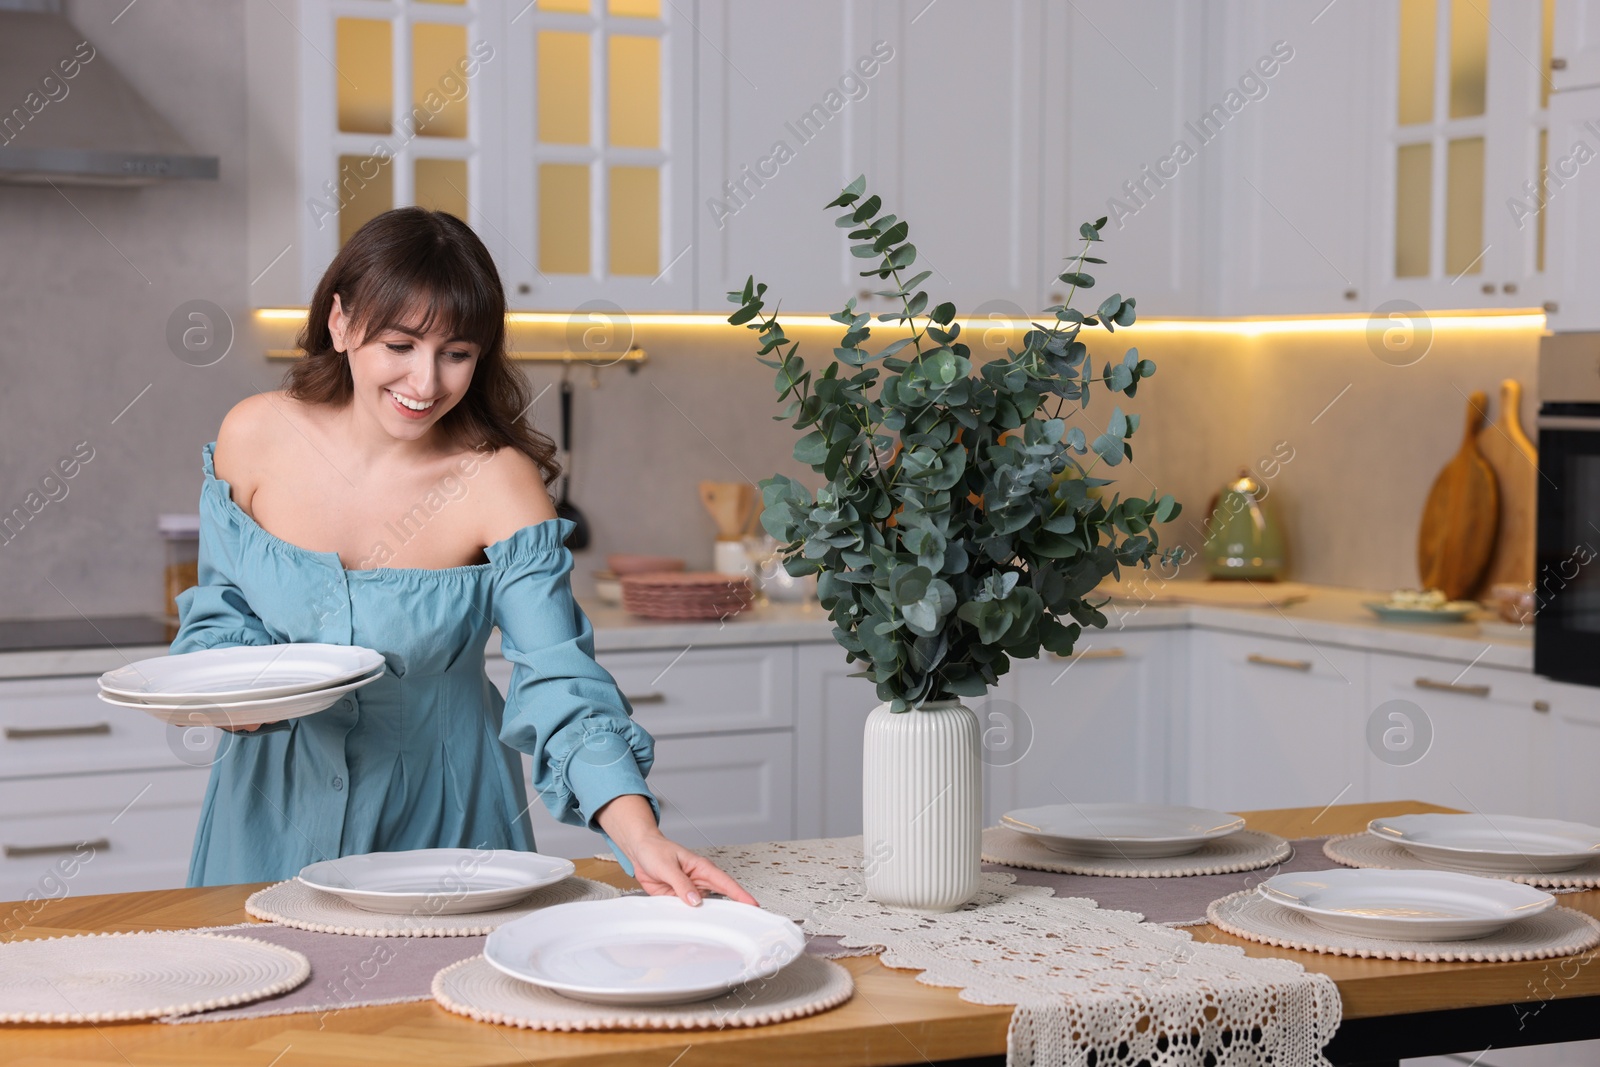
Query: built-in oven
x,y
1566,625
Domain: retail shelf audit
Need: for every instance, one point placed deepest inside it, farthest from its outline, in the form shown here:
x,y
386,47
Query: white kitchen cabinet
x,y
1283,121
59,726
790,98
831,715
1487,742
722,718
1458,120
110,832
1569,761
1121,81
1575,55
564,138
1274,723
1573,209
1093,727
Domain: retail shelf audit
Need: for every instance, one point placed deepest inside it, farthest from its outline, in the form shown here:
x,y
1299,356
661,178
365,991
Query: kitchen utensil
x,y
644,950
1244,538
246,712
578,539
1406,905
435,881
1459,519
621,564
239,673
1123,830
729,504
1515,461
1500,843
1450,611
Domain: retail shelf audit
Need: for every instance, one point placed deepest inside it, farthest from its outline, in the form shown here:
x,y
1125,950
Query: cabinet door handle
x,y
22,852
1557,63
656,697
34,733
1094,653
1453,687
1273,661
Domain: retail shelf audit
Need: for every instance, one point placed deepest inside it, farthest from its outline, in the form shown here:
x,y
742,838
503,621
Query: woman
x,y
391,496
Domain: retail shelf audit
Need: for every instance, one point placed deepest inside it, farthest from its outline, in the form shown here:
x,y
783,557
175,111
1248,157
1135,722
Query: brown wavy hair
x,y
411,257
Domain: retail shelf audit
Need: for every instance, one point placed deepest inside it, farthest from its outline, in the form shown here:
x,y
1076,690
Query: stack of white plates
x,y
1406,905
644,950
247,685
436,881
1131,831
1493,844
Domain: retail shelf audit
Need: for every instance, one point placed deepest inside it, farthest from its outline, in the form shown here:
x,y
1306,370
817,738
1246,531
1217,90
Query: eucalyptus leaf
x,y
956,528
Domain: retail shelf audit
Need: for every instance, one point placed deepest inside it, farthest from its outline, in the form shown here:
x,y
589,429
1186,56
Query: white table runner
x,y
1081,977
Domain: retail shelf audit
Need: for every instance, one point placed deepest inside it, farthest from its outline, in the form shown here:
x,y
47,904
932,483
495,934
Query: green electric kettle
x,y
1245,540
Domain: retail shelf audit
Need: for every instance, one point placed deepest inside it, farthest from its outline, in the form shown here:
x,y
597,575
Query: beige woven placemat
x,y
97,978
296,904
1369,850
1246,850
1557,932
806,986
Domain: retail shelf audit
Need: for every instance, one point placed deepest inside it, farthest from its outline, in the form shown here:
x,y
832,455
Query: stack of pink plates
x,y
694,595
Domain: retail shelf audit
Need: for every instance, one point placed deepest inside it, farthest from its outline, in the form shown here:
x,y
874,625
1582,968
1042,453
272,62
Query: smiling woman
x,y
405,380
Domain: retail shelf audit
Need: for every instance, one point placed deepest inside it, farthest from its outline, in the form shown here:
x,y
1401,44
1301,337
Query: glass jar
x,y
181,534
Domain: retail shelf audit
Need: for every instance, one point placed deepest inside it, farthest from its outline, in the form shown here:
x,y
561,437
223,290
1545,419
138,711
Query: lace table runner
x,y
1089,985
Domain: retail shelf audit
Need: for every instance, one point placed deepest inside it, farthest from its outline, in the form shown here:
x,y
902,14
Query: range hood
x,y
67,116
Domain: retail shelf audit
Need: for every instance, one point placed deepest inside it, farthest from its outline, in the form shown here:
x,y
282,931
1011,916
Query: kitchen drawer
x,y
59,726
724,790
1475,738
104,833
701,690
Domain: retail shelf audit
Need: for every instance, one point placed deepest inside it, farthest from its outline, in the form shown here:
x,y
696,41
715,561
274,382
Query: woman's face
x,y
404,379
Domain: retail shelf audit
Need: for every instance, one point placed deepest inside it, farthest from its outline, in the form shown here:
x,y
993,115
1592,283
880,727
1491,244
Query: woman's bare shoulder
x,y
246,440
510,492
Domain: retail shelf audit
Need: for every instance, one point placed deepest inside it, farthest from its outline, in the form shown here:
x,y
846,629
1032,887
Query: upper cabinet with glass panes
x,y
559,129
1462,151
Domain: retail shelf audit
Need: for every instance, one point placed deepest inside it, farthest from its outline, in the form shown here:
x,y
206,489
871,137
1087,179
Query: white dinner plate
x,y
1504,844
246,712
1134,831
1406,905
436,881
240,672
644,950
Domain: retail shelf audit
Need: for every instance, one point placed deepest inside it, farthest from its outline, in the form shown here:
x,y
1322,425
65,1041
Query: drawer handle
x,y
1453,687
656,697
1094,653
34,733
1273,661
20,852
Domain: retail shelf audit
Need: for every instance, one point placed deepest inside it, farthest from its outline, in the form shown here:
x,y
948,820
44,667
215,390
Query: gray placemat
x,y
1171,901
349,971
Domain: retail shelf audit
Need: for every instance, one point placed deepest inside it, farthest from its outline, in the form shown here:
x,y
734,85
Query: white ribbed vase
x,y
921,806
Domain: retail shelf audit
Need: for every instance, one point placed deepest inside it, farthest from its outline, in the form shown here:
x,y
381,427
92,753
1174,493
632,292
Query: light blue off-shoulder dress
x,y
427,756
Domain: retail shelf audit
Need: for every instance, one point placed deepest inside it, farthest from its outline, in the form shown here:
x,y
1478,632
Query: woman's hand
x,y
663,867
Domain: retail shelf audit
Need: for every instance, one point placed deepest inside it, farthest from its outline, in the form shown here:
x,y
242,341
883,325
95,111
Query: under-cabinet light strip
x,y
1519,319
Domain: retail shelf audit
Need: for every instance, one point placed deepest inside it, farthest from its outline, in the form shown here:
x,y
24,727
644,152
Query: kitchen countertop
x,y
1330,615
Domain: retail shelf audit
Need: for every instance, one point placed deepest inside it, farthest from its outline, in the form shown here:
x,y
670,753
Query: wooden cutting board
x,y
1515,462
1461,515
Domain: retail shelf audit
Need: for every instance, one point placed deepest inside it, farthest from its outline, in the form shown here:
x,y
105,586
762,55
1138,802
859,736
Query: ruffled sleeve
x,y
215,612
562,707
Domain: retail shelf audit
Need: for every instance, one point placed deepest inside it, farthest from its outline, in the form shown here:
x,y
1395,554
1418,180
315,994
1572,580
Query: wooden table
x,y
1391,1009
